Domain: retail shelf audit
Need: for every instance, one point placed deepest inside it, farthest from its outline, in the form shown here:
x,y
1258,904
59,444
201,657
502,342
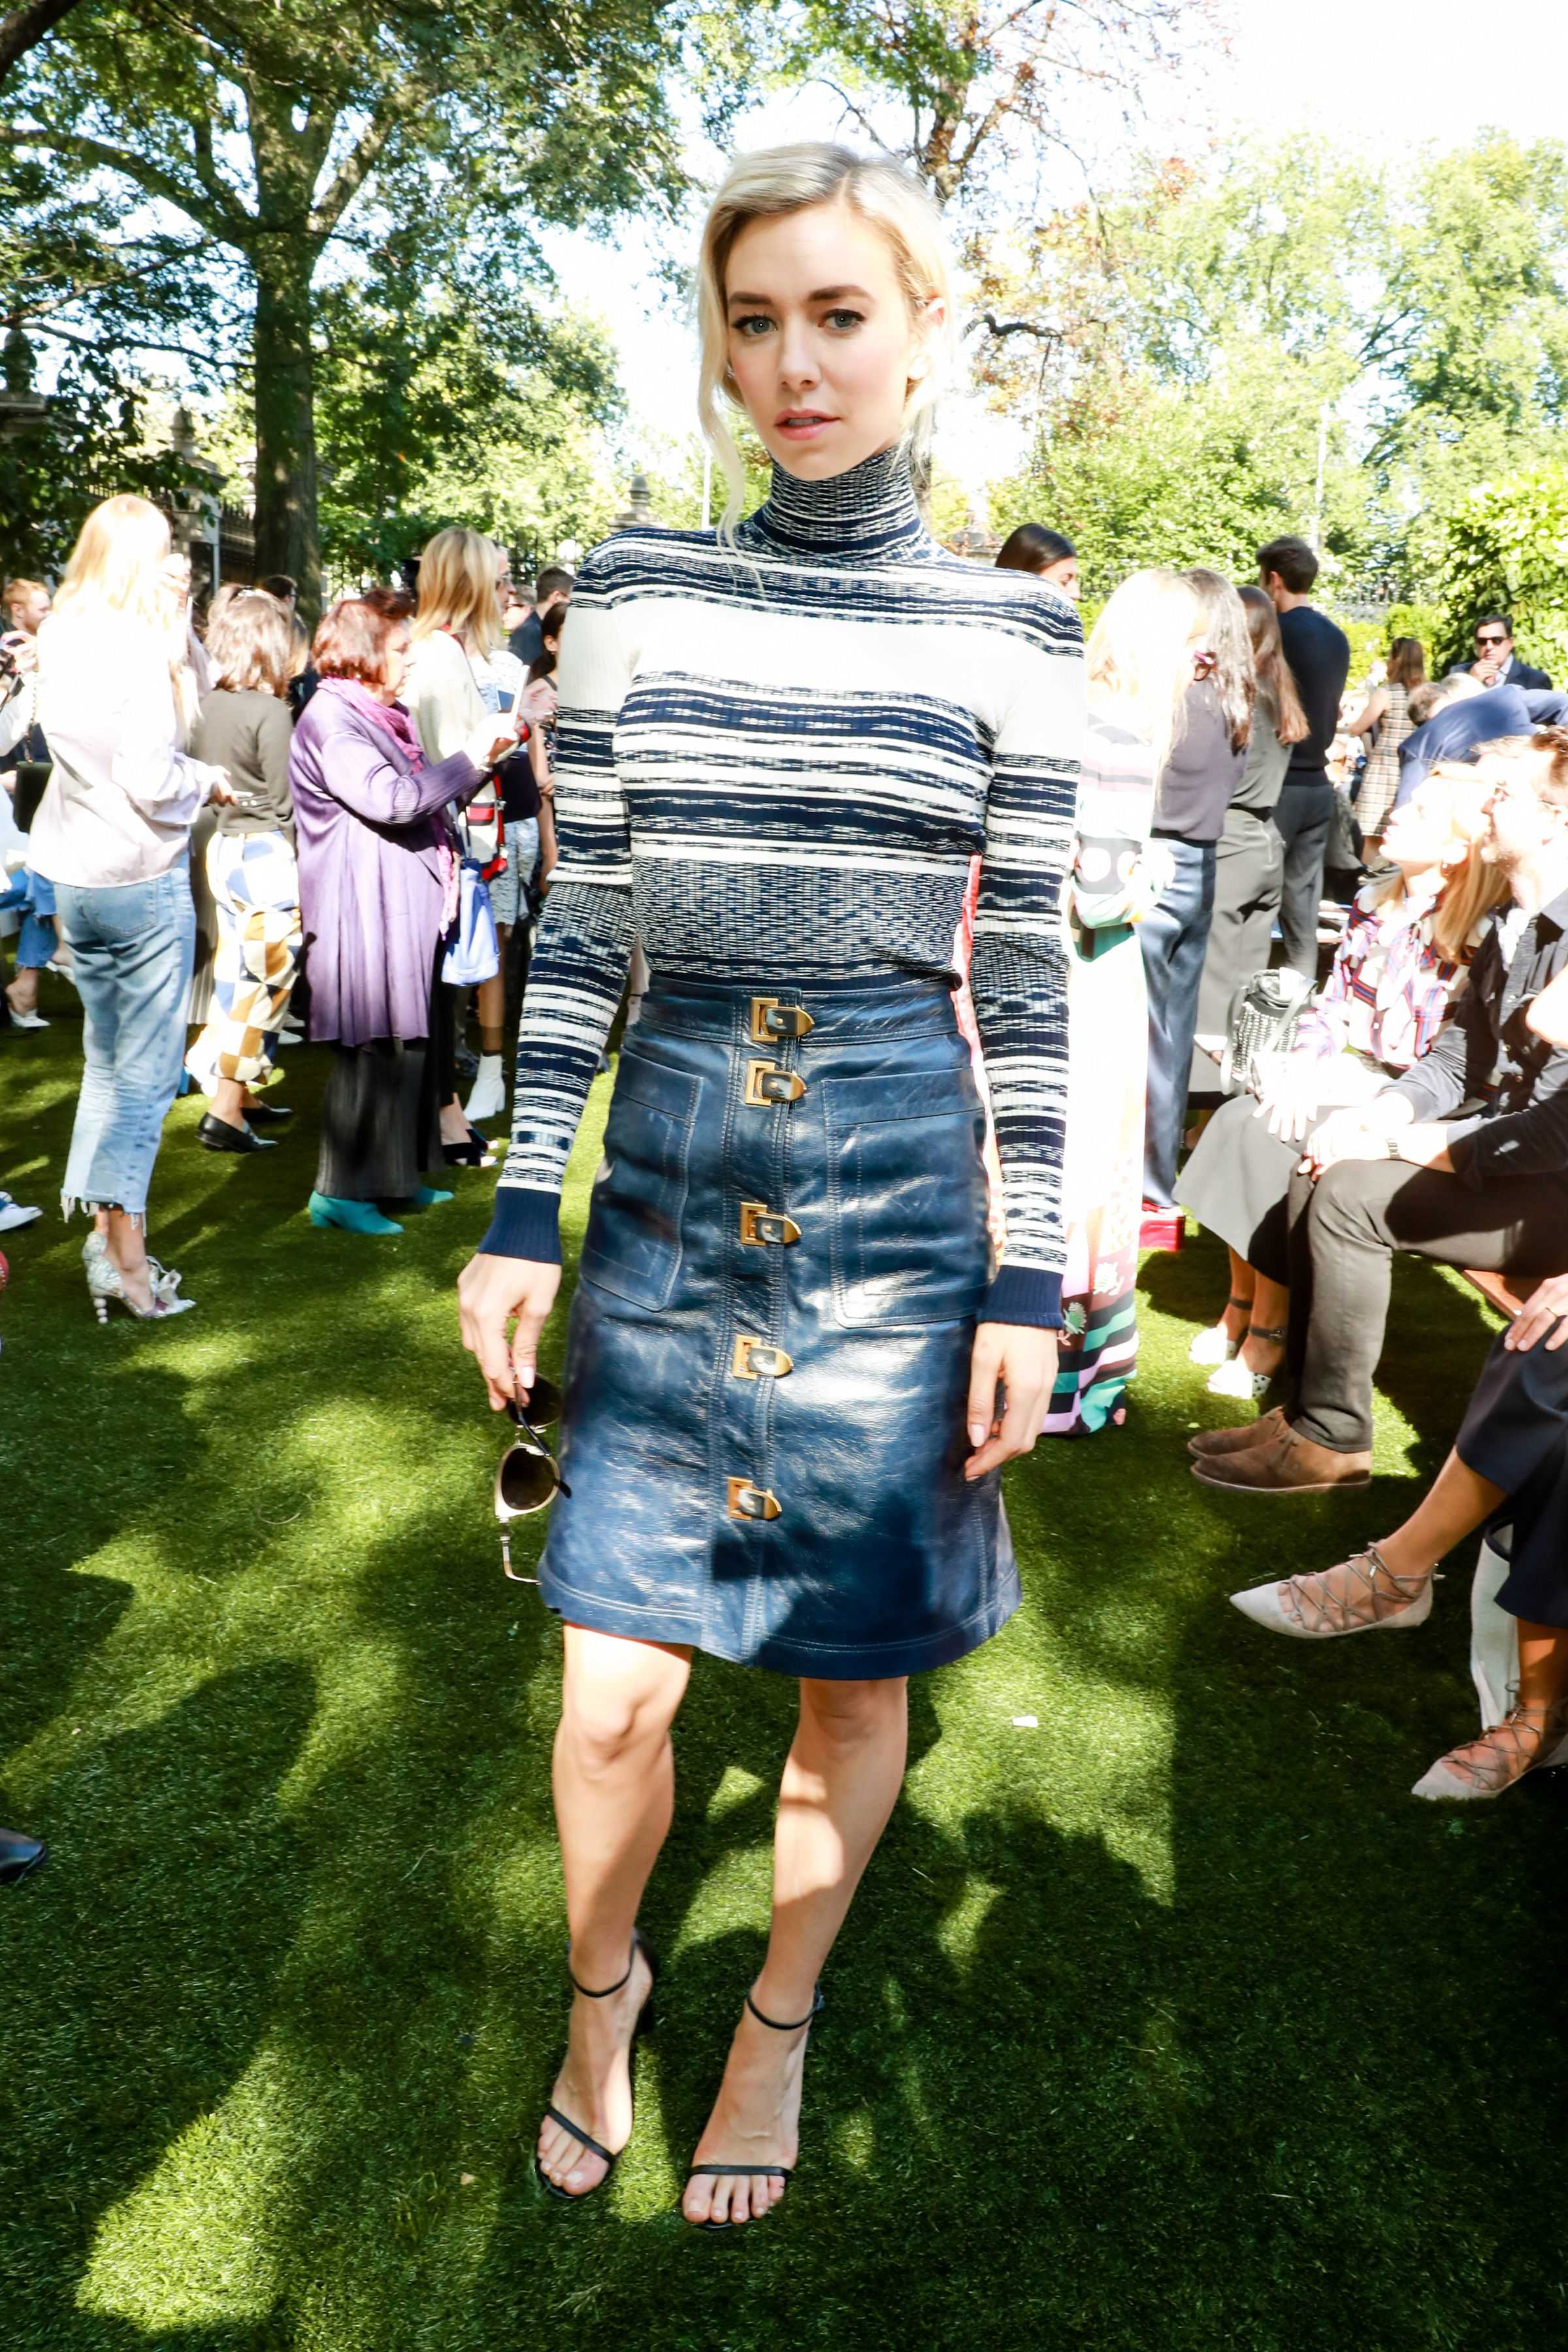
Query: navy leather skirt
x,y
768,1353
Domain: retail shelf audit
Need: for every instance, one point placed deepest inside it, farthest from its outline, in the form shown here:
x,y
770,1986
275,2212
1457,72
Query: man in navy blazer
x,y
1465,716
1496,663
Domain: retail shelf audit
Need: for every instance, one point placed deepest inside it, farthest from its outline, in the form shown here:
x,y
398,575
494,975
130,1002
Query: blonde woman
x,y
1139,664
116,699
1410,938
452,682
780,746
244,727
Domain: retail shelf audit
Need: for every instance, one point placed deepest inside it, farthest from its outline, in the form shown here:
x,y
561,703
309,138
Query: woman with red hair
x,y
378,892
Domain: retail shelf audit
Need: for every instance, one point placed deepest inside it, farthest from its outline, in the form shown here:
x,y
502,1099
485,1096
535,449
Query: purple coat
x,y
373,840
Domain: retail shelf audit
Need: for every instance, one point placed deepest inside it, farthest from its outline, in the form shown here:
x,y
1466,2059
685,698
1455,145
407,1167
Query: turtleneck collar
x,y
868,515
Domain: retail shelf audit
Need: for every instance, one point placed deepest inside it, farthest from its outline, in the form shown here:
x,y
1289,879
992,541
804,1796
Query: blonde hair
x,y
775,180
249,644
1140,659
118,565
1474,887
457,589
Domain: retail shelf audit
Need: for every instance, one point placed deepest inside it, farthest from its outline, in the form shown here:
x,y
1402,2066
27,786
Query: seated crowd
x,y
1422,1107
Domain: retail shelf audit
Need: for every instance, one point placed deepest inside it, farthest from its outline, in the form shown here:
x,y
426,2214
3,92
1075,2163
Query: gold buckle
x,y
759,1223
748,1502
752,1357
767,1083
770,1019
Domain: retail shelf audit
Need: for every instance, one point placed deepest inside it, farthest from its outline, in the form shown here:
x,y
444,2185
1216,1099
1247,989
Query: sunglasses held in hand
x,y
529,1475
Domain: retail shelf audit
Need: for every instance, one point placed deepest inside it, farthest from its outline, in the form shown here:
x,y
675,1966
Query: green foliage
x,y
1505,549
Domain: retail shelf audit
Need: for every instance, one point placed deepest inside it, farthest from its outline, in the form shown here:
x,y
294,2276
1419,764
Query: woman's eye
x,y
843,320
756,322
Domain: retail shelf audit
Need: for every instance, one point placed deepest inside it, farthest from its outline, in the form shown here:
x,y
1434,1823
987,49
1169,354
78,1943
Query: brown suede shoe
x,y
1285,1463
1210,1442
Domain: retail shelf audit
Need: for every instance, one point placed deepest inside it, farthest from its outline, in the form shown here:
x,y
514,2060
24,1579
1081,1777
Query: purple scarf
x,y
394,721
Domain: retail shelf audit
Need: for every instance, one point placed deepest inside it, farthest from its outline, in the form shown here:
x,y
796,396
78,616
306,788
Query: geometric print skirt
x,y
767,1362
254,881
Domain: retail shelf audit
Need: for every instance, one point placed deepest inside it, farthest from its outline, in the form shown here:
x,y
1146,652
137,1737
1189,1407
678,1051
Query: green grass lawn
x,y
1172,2022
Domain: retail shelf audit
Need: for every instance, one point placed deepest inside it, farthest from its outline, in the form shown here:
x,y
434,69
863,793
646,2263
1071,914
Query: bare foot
x,y
755,2120
595,2085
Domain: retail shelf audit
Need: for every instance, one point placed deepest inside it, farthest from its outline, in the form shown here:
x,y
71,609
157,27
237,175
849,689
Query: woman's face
x,y
822,347
1063,576
1419,834
396,662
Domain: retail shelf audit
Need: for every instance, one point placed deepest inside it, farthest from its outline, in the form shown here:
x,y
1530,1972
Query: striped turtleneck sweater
x,y
779,758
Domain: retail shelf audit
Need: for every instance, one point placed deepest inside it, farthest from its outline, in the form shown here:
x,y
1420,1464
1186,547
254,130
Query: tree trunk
x,y
287,536
26,26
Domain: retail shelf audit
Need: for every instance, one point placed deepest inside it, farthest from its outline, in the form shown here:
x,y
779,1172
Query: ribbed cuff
x,y
1025,1294
525,1223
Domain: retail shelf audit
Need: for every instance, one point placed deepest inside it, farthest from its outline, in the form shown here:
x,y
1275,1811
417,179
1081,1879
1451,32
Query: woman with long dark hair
x,y
1046,553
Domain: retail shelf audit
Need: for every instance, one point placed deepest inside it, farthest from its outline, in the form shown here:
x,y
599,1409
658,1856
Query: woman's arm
x,y
357,772
147,764
579,962
1366,719
1019,975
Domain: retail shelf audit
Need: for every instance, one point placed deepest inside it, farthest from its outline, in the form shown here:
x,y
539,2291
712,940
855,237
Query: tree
x,y
275,138
983,86
1505,549
23,28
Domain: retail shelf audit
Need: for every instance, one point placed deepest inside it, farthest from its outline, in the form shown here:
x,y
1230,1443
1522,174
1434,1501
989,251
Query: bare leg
x,y
492,1014
1453,1506
127,1249
615,1790
1271,1312
23,990
1233,1320
454,1126
226,1101
840,1783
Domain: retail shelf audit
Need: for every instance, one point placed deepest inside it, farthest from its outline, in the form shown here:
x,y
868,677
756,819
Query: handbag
x,y
1265,1015
1345,845
475,954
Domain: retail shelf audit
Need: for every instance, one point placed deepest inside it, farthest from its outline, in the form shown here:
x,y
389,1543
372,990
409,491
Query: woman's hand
x,y
490,1291
1024,1358
1546,1307
1289,1102
536,704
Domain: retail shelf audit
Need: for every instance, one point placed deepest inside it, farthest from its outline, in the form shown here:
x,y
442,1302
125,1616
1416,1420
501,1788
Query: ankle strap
x,y
796,2023
604,1991
1277,1332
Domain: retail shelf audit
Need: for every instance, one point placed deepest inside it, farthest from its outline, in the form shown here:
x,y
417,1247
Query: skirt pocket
x,y
907,1191
632,1248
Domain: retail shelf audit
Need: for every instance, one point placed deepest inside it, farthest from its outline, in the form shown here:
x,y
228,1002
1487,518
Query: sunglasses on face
x,y
1491,641
529,1475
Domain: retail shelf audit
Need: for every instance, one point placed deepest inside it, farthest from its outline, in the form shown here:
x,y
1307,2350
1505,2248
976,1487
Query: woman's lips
x,y
805,425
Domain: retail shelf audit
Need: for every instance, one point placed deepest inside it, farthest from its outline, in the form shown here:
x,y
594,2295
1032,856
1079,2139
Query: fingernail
x,y
977,1432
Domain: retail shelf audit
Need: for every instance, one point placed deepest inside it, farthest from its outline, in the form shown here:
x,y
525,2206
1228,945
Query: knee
x,y
606,1724
850,1715
1339,1198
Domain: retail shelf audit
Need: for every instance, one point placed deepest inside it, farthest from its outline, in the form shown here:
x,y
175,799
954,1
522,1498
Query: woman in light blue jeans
x,y
116,697
134,947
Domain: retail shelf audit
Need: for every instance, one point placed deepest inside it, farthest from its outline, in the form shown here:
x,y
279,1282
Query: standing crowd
x,y
784,748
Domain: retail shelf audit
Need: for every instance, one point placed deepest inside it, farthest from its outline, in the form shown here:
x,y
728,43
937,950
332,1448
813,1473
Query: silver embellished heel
x,y
105,1282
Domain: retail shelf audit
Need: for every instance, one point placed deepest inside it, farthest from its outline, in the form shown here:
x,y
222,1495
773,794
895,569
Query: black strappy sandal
x,y
585,2140
755,2171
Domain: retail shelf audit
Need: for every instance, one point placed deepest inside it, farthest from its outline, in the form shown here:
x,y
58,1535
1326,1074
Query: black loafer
x,y
18,1855
269,1113
219,1136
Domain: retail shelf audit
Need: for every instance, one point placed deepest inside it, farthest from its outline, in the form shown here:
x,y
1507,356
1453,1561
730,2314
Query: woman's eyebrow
x,y
822,294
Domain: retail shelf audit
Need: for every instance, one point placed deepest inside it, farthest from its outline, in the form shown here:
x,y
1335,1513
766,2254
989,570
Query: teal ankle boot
x,y
352,1216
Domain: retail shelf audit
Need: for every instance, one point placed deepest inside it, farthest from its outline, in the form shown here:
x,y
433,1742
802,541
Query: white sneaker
x,y
12,1213
489,1097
